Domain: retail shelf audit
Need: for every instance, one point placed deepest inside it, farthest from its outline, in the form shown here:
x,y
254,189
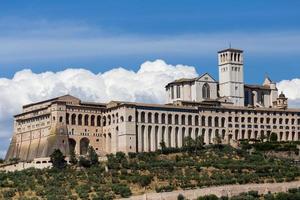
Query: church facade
x,y
203,106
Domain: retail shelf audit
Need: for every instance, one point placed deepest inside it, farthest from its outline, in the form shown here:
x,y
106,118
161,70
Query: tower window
x,y
178,91
206,91
172,92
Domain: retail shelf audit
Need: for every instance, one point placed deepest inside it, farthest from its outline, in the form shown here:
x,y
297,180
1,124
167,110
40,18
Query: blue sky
x,y
102,35
216,23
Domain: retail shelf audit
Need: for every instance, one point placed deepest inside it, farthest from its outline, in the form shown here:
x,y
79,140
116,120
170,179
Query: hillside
x,y
167,170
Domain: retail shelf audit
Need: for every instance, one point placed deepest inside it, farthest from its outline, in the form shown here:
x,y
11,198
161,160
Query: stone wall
x,y
228,190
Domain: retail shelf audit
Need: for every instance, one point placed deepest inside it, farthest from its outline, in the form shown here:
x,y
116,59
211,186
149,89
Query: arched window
x,y
206,91
86,120
176,119
73,119
67,118
149,117
183,119
163,118
104,121
169,118
129,118
93,120
190,120
196,120
80,119
143,117
156,118
98,120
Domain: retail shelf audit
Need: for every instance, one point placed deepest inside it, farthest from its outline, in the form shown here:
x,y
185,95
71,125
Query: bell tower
x,y
231,75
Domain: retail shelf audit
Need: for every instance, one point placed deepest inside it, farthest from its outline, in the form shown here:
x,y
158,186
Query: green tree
x,y
163,146
73,159
217,139
93,156
1,161
189,144
199,142
273,137
58,159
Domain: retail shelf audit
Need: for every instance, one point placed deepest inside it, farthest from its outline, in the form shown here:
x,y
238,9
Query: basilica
x,y
227,107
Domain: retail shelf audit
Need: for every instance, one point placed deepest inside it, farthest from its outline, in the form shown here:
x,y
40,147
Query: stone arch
x,y
196,120
216,121
143,138
163,134
196,132
143,117
104,120
98,120
156,141
176,136
210,121
169,118
129,118
183,119
206,91
190,120
163,118
236,135
67,118
109,120
156,120
149,117
169,136
73,119
183,135
72,144
190,132
176,119
149,137
223,134
92,120
86,120
223,121
84,145
203,121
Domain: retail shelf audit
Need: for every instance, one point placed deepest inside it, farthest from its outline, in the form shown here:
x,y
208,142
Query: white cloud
x,y
291,89
146,85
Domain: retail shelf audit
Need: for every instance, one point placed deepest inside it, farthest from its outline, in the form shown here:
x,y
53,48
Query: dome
x,y
281,95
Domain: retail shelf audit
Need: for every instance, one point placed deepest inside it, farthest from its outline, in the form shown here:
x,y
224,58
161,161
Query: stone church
x,y
203,106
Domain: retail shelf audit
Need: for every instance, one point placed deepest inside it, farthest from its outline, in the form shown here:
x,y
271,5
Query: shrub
x,y
180,197
208,197
122,190
83,162
58,159
92,156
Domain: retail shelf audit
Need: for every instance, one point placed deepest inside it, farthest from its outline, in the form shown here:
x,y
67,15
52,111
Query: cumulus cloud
x,y
145,85
291,89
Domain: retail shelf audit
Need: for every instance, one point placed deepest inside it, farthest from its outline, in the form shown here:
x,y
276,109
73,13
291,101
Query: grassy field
x,y
123,176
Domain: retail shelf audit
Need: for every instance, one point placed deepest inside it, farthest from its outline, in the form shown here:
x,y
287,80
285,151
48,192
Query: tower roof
x,y
232,50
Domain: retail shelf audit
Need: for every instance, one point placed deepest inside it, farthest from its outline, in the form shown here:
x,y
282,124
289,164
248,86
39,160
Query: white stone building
x,y
199,106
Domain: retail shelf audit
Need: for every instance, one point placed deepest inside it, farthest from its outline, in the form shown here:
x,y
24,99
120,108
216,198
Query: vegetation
x,y
292,194
58,159
193,166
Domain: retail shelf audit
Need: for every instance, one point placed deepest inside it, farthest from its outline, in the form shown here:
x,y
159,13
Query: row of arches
x,y
93,120
181,119
150,137
210,121
230,57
